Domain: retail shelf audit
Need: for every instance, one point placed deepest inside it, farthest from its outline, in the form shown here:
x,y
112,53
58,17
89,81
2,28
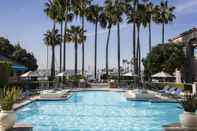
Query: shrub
x,y
189,103
8,96
76,78
183,86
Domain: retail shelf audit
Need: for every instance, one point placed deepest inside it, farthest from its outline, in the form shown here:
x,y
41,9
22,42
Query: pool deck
x,y
22,127
177,127
158,98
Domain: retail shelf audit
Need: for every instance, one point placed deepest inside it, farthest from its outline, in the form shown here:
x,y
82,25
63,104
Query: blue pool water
x,y
98,111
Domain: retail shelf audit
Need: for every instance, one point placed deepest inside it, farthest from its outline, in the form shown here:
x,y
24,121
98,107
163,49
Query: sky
x,y
24,21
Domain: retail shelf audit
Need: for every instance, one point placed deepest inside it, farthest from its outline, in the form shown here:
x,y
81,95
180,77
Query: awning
x,y
162,75
17,67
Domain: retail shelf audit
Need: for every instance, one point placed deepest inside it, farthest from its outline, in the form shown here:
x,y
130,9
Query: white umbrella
x,y
129,74
178,76
61,74
27,74
161,75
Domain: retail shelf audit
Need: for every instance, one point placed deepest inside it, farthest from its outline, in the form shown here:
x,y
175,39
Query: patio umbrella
x,y
129,74
61,74
27,74
162,75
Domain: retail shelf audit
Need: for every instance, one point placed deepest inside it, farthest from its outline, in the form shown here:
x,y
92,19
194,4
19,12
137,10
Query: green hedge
x,y
5,72
187,87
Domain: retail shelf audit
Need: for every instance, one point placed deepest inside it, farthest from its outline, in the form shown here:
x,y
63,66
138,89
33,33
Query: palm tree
x,y
51,11
76,35
137,16
80,8
60,20
164,15
93,13
131,18
52,38
65,8
141,20
109,19
149,13
117,18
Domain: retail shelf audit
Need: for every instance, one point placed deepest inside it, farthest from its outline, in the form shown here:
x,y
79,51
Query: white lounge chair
x,y
54,94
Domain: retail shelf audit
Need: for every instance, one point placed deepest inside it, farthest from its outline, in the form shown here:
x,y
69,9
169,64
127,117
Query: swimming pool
x,y
97,111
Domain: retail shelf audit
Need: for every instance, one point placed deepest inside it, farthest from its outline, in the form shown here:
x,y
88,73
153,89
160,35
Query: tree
x,y
76,35
68,17
109,22
52,38
137,16
149,11
57,10
23,57
17,54
93,13
51,11
80,9
164,15
119,7
164,57
6,49
131,18
60,19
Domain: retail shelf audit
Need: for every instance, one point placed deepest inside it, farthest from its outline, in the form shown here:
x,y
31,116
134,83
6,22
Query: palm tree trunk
x,y
163,32
64,51
53,57
53,63
139,51
150,37
61,26
107,53
76,57
134,54
150,44
95,51
83,50
47,57
138,55
118,33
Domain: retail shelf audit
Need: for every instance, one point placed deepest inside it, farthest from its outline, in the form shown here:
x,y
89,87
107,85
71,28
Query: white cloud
x,y
186,6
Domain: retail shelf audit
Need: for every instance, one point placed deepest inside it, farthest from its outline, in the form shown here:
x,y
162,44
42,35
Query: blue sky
x,y
24,21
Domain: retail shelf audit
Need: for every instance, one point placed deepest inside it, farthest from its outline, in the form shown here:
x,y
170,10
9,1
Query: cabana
x,y
162,75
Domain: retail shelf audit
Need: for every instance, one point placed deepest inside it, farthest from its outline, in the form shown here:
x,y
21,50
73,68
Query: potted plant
x,y
189,117
8,96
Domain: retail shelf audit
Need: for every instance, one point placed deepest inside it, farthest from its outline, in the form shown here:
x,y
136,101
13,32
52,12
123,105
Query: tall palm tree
x,y
131,18
51,11
60,20
52,39
110,21
65,6
119,9
76,35
93,13
141,20
164,15
149,13
137,16
80,8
